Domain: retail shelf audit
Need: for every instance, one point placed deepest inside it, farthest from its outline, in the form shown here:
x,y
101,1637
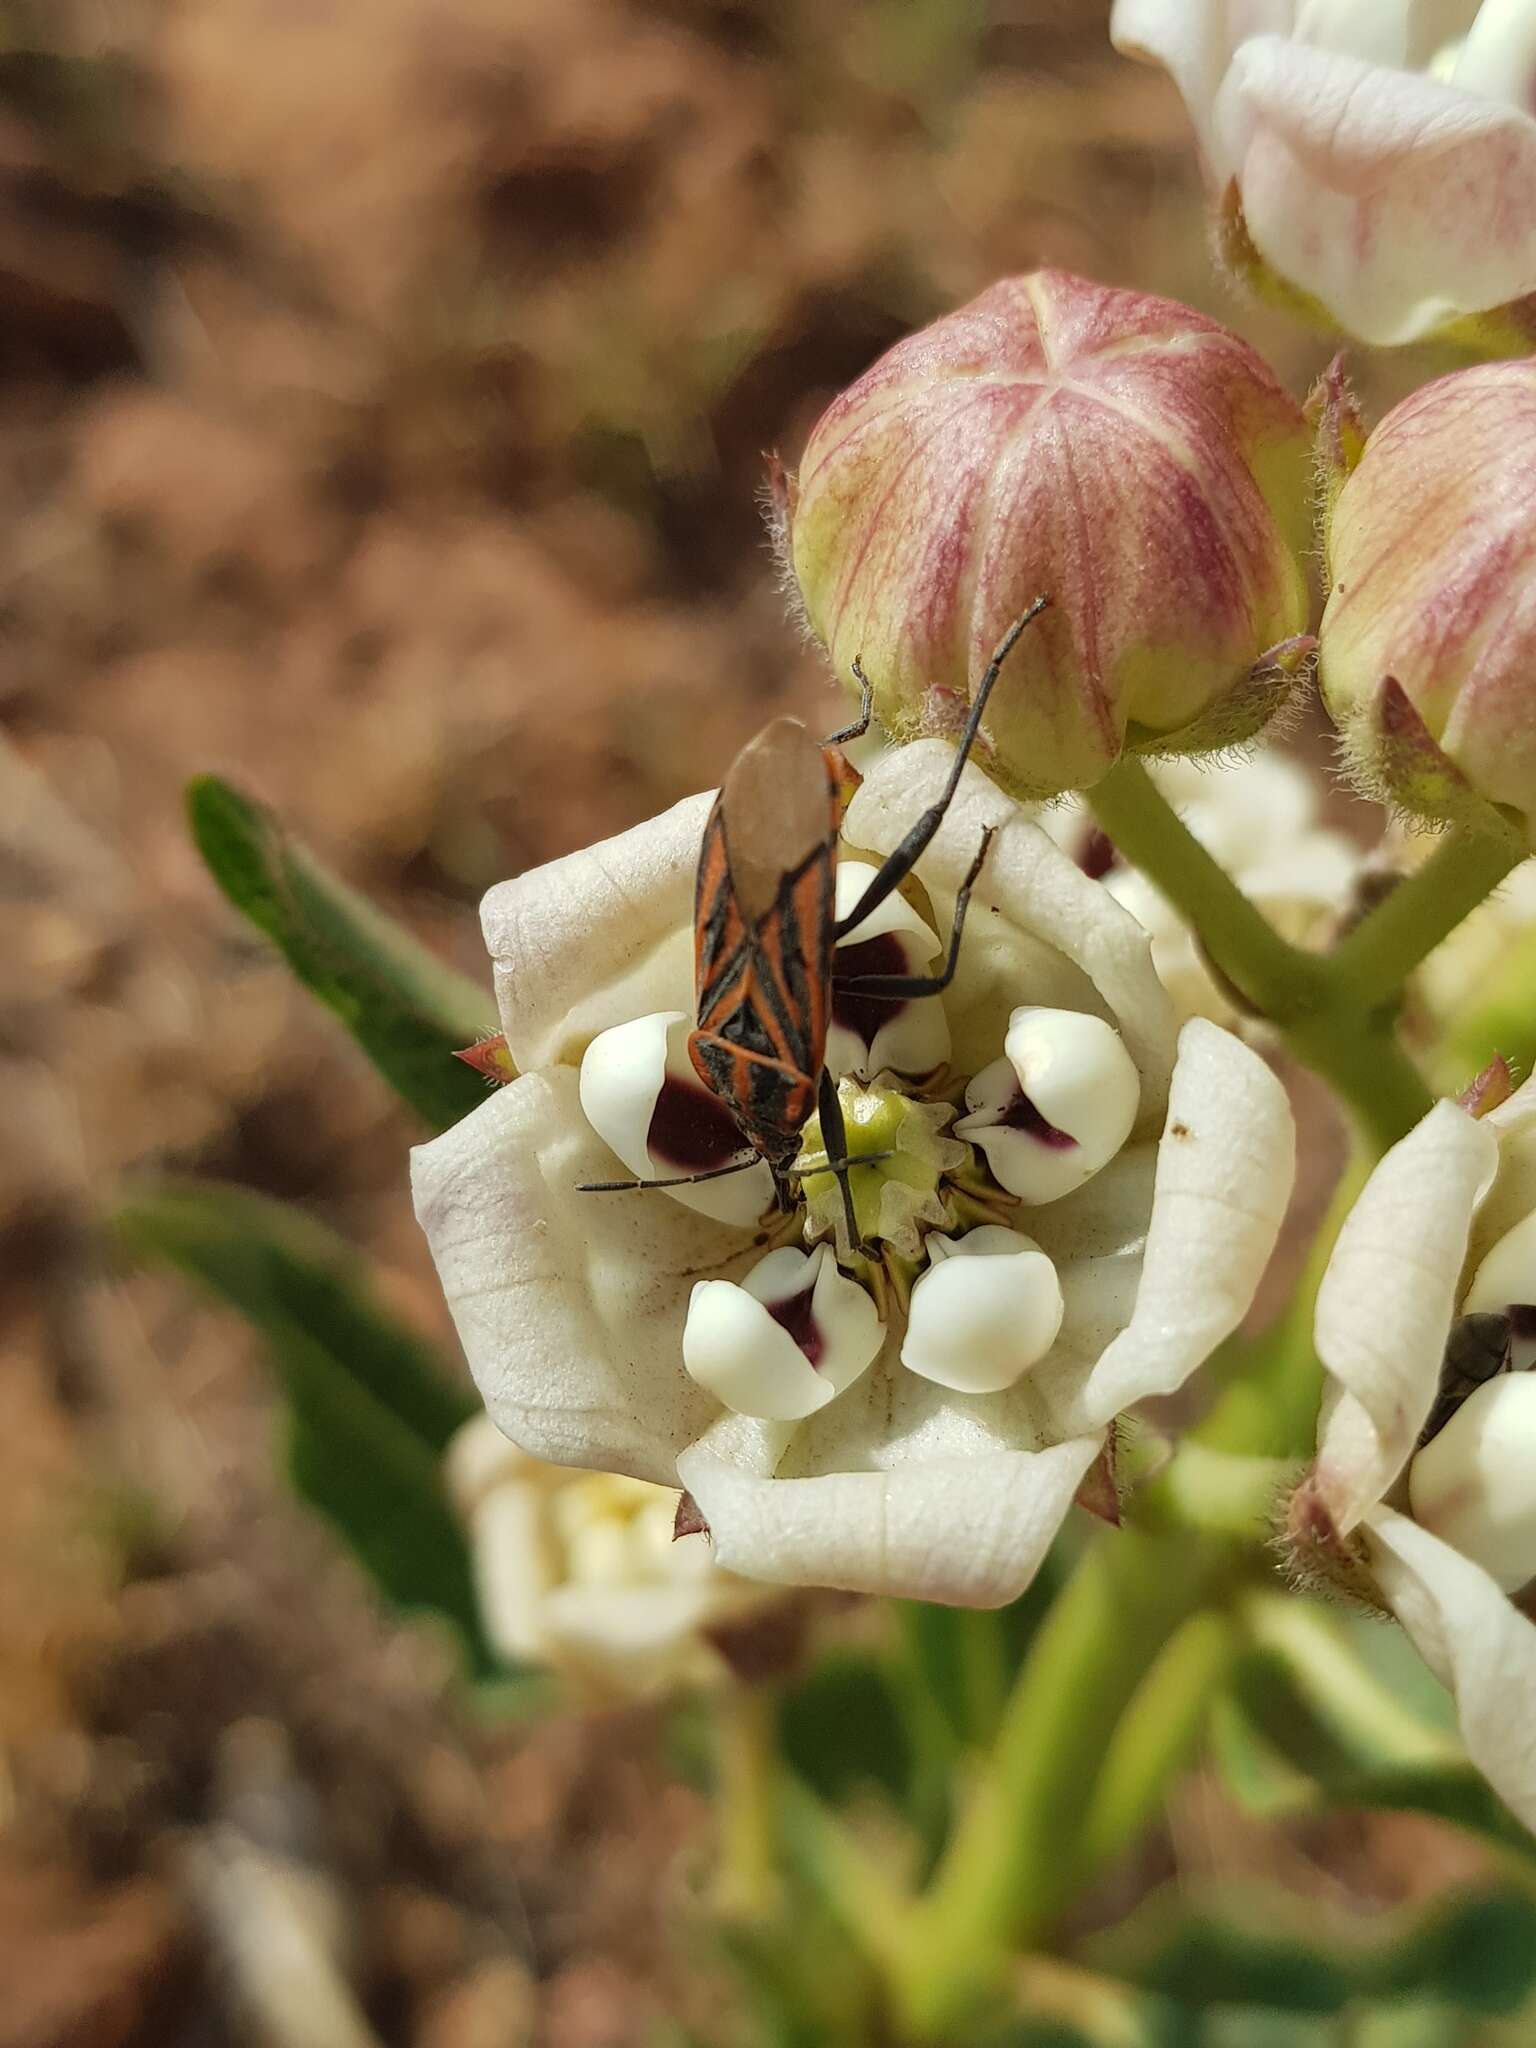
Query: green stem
x,y
1273,977
1326,1024
1371,965
746,1767
1015,1858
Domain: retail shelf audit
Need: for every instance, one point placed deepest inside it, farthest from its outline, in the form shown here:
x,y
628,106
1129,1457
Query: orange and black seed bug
x,y
766,935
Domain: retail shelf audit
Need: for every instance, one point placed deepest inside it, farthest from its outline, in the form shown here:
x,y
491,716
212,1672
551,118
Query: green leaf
x,y
407,1011
840,1727
1357,1721
1476,1952
368,1407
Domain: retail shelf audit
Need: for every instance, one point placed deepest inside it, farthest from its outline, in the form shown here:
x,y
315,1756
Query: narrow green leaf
x,y
407,1011
368,1407
286,1273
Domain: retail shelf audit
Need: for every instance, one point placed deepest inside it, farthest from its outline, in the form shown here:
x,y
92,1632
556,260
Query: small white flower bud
x,y
788,1340
1471,1484
1058,1105
640,1094
1506,1282
870,1034
985,1311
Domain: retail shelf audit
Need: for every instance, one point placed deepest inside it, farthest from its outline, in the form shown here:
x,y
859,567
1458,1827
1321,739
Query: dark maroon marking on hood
x,y
865,1015
797,1314
1098,855
691,1129
1022,1115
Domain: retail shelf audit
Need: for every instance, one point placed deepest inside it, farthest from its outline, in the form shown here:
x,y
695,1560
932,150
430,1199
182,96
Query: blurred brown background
x,y
383,392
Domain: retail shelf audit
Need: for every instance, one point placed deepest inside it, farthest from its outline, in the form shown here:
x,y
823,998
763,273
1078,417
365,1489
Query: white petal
x,y
1224,1172
596,937
895,915
1472,1482
984,1312
478,1459
1498,57
1194,40
1398,201
1513,1195
1385,1306
1083,1089
754,1364
1032,891
1506,1277
569,1306
514,1570
908,1037
969,1531
632,1641
1475,1641
623,1072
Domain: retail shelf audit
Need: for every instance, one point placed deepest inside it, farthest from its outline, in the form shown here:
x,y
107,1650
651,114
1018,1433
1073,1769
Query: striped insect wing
x,y
763,930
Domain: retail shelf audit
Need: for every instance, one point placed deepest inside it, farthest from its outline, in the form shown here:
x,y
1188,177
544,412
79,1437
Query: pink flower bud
x,y
1428,642
1131,460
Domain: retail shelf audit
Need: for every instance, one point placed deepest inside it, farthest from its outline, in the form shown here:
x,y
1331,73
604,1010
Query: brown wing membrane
x,y
778,804
764,919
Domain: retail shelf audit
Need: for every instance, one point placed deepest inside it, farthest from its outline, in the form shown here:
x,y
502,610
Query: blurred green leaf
x,y
1349,1713
1476,1952
368,1407
841,1728
407,1011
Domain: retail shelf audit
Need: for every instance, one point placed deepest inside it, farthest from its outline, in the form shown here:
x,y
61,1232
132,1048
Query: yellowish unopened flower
x,y
580,1573
1130,458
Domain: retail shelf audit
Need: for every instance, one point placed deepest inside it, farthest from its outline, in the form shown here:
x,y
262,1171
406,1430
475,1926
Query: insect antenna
x,y
899,863
683,1180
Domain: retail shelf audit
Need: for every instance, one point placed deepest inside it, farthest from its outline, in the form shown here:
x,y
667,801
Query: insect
x,y
766,935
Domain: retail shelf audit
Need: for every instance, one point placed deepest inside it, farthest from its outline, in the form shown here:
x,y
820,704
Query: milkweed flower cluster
x,y
1066,1207
1376,162
1421,1497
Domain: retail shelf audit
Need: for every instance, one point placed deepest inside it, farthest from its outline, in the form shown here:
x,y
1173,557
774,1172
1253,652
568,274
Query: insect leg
x,y
860,725
834,1136
681,1180
904,987
899,863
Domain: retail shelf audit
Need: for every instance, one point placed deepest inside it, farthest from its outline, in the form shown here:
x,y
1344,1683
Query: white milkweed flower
x,y
915,1419
579,1572
1375,157
1426,1323
1260,818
